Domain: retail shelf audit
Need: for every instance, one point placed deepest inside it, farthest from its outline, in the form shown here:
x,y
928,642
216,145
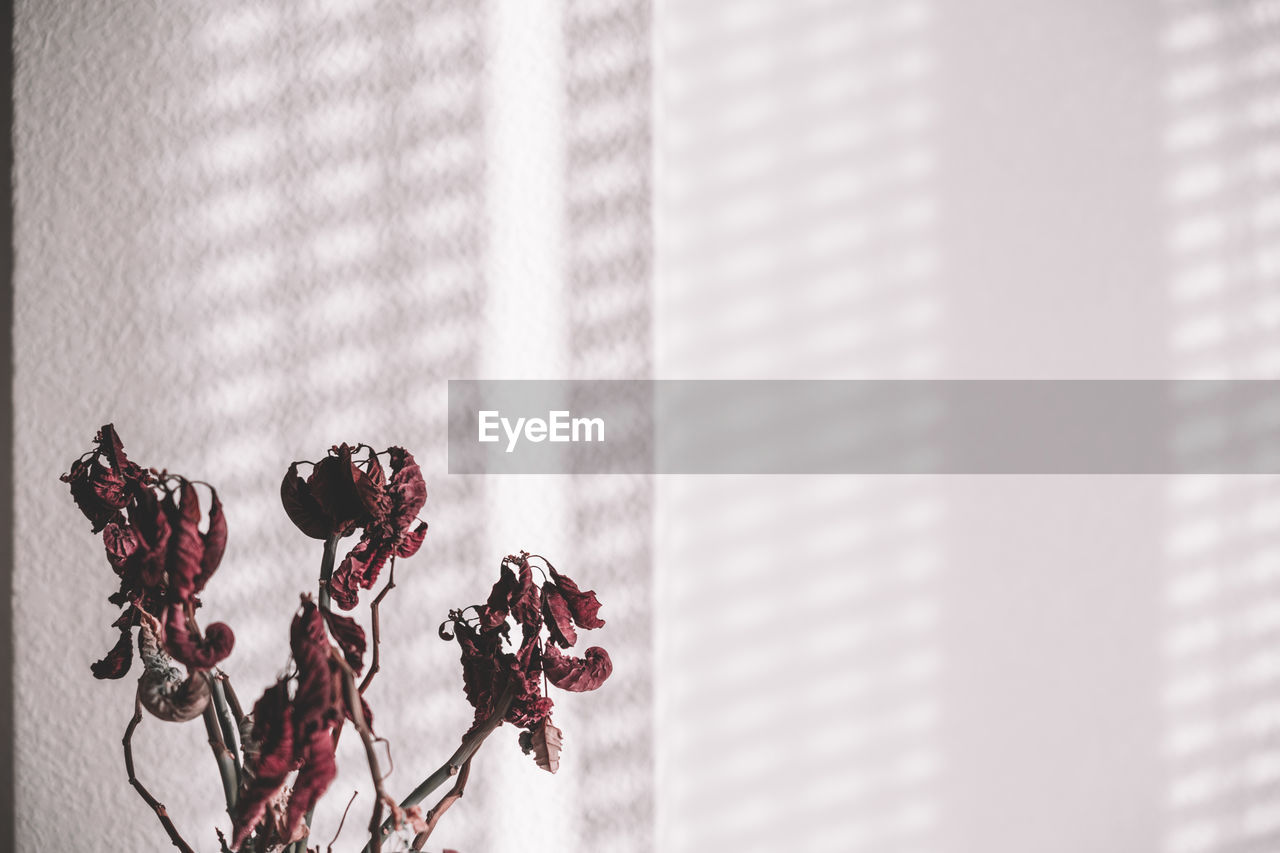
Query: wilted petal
x,y
577,674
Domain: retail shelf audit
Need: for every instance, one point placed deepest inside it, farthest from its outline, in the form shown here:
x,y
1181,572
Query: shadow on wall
x,y
329,216
609,290
797,239
1222,702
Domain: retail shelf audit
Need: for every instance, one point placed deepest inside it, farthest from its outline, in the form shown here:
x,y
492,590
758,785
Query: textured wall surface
x,y
249,230
973,189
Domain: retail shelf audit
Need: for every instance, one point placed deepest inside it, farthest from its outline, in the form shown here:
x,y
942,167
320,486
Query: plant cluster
x,y
277,760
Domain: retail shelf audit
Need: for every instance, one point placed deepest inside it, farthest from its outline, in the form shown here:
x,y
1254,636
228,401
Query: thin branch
x,y
342,822
470,745
375,662
355,706
433,816
156,806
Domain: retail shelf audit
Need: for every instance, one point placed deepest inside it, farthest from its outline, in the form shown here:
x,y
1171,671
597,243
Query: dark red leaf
x,y
302,508
583,605
525,603
495,610
215,542
186,545
559,621
411,541
192,651
270,761
577,674
117,662
349,636
317,771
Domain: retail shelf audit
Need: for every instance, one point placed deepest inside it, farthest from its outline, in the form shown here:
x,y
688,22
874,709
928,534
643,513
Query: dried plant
x,y
277,761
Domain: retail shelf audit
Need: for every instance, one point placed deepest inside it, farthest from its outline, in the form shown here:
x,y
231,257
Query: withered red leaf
x,y
526,602
215,542
559,620
117,661
412,541
583,605
574,674
193,651
269,757
349,636
495,610
186,545
317,771
302,508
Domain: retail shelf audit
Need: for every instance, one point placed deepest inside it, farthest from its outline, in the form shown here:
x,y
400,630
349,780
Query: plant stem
x,y
156,805
375,662
352,695
226,764
326,568
230,733
433,816
470,745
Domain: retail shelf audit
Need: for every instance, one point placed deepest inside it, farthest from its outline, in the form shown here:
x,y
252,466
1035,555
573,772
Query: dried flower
x,y
490,669
150,526
342,495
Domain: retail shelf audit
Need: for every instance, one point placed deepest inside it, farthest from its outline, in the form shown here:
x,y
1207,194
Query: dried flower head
x,y
150,526
343,494
493,666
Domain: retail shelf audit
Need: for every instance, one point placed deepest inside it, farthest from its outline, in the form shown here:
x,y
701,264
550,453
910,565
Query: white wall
x,y
249,230
978,189
246,230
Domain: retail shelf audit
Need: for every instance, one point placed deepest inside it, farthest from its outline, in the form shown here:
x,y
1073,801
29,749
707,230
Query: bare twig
x,y
375,662
156,805
470,745
433,816
354,705
342,822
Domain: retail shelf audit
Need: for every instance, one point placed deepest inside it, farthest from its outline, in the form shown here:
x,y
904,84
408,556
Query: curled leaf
x,y
117,661
559,620
584,606
577,675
